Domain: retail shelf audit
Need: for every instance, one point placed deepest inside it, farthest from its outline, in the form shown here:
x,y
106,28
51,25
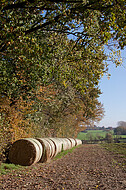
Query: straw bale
x,y
69,143
40,152
64,143
24,152
78,142
72,140
46,150
58,145
53,148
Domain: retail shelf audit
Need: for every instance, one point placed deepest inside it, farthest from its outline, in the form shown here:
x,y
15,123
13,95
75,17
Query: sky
x,y
113,95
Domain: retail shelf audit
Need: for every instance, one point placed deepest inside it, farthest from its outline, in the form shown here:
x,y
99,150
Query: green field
x,y
95,134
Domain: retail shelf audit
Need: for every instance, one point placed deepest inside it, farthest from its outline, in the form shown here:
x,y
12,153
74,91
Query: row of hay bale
x,y
29,151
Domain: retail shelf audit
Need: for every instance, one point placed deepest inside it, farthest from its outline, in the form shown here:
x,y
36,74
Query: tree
x,y
57,64
121,129
64,17
25,24
61,109
58,43
29,31
109,138
58,80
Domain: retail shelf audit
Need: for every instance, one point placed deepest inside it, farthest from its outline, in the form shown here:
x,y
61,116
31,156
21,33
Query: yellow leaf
x,y
64,83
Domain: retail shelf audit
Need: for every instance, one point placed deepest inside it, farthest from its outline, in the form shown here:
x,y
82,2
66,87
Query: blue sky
x,y
114,95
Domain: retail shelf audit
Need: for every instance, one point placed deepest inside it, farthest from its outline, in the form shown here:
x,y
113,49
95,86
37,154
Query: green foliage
x,y
106,17
121,129
32,54
26,52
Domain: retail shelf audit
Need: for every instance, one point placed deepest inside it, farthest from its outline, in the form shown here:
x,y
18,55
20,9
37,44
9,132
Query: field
x,y
96,134
116,148
90,166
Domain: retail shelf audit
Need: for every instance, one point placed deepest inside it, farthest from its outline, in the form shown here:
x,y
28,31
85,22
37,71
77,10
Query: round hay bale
x,y
40,147
64,143
47,150
68,143
25,152
78,142
73,143
53,148
58,145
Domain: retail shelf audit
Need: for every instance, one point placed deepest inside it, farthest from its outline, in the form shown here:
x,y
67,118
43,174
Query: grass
x,y
64,152
116,148
5,168
94,134
120,136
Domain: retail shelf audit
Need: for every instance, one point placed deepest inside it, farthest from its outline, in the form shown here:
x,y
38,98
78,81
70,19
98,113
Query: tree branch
x,y
22,4
42,25
14,6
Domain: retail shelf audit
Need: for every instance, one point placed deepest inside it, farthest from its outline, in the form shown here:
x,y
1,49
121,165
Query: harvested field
x,y
87,167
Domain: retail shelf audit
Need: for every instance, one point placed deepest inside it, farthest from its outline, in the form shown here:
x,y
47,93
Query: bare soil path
x,y
87,167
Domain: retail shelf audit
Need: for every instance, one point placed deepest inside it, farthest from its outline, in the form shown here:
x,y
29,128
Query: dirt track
x,y
88,167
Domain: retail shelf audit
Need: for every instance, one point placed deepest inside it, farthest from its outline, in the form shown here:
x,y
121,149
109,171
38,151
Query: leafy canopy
x,y
61,43
64,16
24,25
